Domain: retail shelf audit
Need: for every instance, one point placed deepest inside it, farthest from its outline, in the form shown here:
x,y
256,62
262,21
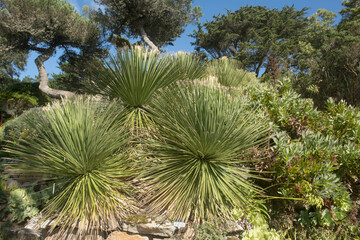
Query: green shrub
x,y
3,192
314,154
286,108
308,170
67,81
341,120
22,96
261,233
189,66
24,203
21,205
18,128
260,229
5,232
295,115
209,231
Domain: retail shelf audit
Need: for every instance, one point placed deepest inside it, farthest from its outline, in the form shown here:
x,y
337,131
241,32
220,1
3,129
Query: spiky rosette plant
x,y
230,74
80,146
200,155
189,66
133,76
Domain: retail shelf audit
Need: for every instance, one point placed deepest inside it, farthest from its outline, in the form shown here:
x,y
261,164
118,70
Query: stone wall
x,y
147,228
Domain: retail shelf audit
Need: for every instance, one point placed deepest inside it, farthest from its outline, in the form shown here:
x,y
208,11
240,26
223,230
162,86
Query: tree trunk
x,y
44,81
257,70
145,38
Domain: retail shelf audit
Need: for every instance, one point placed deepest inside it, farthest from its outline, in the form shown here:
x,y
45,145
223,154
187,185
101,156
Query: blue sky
x,y
209,8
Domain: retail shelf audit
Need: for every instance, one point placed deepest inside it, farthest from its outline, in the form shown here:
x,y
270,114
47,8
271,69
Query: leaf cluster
x,y
315,155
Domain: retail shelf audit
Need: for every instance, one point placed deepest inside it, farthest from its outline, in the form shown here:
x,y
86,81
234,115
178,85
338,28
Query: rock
x,y
57,236
35,223
112,225
124,236
27,234
153,228
162,230
11,183
189,233
72,236
236,227
93,237
232,238
129,228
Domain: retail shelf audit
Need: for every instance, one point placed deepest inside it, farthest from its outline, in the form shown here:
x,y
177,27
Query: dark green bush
x,y
25,203
20,97
21,205
18,128
209,231
286,108
315,152
340,120
309,167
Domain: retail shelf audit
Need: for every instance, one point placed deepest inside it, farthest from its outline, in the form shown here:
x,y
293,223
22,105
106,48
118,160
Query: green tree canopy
x,y
341,63
330,55
11,63
45,26
314,45
158,22
257,36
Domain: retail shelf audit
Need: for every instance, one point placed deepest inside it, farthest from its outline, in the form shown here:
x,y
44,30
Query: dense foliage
x,y
157,22
11,63
19,97
257,36
315,159
43,26
321,58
